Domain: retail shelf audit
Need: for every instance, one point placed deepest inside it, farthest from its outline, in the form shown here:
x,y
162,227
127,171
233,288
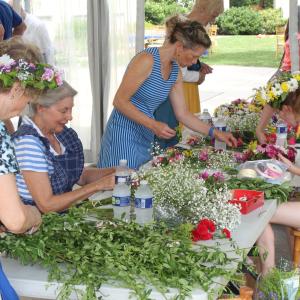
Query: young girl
x,y
286,213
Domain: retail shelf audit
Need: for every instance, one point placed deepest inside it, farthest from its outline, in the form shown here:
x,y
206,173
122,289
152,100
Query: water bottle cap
x,y
144,182
123,162
121,180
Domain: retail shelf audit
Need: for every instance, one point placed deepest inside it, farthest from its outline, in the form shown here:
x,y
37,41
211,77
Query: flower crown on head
x,y
38,76
276,91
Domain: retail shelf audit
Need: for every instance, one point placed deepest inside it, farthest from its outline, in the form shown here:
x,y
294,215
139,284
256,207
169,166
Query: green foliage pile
x,y
280,192
156,11
244,20
80,250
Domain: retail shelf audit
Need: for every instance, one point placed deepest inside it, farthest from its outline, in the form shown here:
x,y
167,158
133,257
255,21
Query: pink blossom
x,y
292,141
204,175
240,157
272,151
218,176
59,78
203,156
48,74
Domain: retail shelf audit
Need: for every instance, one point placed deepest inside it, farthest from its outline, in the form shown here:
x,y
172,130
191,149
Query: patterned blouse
x,y
8,162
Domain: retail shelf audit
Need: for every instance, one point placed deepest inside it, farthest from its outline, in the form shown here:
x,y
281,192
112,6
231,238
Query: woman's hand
x,y
162,130
291,167
34,214
106,183
262,139
226,137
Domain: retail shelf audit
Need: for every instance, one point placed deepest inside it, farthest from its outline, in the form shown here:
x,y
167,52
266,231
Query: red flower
x,y
204,230
208,223
227,233
240,142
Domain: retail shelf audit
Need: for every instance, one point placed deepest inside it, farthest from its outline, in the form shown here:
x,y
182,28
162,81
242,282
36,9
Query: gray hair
x,y
50,97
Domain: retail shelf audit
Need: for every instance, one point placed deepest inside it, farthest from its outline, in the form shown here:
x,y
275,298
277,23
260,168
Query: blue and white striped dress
x,y
126,139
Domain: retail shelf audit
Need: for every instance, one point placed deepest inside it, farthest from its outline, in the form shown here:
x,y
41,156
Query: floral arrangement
x,y
197,159
38,76
236,107
206,230
184,195
265,151
275,92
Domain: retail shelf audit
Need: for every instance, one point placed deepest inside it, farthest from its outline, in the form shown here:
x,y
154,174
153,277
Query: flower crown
x,y
276,91
38,76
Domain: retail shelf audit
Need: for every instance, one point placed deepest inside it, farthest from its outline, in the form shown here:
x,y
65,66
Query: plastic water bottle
x,y
281,133
206,117
122,171
143,203
121,199
221,126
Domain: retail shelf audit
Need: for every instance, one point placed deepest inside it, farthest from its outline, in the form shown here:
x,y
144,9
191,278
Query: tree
x,y
156,11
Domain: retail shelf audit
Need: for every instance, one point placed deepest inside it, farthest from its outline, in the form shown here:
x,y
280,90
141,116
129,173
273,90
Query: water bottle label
x,y
127,178
223,128
281,129
143,202
121,201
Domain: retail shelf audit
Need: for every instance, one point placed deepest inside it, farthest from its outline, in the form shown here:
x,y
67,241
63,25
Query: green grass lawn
x,y
244,50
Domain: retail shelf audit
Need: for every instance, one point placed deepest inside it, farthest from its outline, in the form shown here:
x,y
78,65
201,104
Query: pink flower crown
x,y
38,76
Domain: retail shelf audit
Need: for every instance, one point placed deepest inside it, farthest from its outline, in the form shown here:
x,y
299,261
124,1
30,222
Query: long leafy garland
x,y
79,251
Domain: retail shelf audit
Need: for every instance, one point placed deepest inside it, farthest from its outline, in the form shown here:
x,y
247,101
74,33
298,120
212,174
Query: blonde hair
x,y
190,33
51,97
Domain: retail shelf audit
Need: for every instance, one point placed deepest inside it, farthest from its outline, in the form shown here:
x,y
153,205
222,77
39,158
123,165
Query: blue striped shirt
x,y
30,153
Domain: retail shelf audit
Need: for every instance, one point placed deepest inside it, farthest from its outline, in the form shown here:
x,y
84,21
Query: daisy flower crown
x,y
276,91
38,76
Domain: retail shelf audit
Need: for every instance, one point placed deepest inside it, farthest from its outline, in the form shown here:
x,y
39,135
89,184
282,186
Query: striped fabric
x,y
31,156
125,139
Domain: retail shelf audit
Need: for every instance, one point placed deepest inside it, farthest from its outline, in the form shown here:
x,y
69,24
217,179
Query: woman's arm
x,y
14,215
137,72
39,187
188,119
93,174
266,115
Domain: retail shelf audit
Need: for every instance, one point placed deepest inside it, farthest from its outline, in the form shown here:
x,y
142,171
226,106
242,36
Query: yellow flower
x,y
285,86
252,146
187,153
297,77
254,108
271,129
271,95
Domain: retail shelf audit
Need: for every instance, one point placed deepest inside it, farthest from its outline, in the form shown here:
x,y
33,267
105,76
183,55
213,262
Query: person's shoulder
x,y
29,141
143,60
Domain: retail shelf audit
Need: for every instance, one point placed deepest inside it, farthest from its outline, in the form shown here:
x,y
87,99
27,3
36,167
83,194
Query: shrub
x,y
156,11
263,4
271,18
239,20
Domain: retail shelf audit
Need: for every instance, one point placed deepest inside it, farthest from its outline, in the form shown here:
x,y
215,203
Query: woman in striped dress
x,y
150,78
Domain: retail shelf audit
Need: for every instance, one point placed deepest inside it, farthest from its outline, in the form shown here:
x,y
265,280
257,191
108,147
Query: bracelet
x,y
211,132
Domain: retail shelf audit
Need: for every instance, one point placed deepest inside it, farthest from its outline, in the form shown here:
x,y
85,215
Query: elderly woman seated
x,y
50,155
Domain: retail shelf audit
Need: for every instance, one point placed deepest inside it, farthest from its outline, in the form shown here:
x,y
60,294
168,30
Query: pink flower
x,y
292,140
59,79
261,148
272,151
218,176
240,157
204,175
48,74
203,156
